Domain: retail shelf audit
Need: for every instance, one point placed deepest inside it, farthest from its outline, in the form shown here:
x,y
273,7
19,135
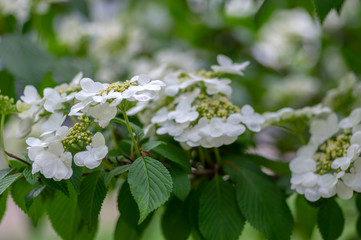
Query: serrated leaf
x,y
5,172
181,182
150,184
7,181
64,215
260,201
330,220
31,178
219,216
24,59
3,201
323,7
19,190
306,216
56,185
17,165
129,212
91,197
174,154
137,130
76,177
150,145
124,232
32,195
175,223
116,171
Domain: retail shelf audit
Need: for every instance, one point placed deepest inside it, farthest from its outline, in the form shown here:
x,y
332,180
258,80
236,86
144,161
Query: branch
x,y
17,158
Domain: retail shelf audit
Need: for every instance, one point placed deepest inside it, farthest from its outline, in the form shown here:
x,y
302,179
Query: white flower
x,y
102,113
53,100
94,154
52,124
34,102
53,162
251,119
226,65
352,120
324,129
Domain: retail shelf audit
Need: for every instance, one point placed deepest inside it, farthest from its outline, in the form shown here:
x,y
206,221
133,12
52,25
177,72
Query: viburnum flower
x,y
227,66
53,162
94,154
330,163
197,113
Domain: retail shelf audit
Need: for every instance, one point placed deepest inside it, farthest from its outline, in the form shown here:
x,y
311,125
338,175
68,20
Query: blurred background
x,y
295,60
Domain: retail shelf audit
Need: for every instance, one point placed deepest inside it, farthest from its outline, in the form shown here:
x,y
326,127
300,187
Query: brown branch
x,y
17,158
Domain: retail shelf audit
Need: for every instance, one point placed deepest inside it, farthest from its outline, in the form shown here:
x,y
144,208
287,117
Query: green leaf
x,y
150,145
330,220
174,154
175,223
137,130
264,12
24,59
32,195
19,190
181,182
76,177
306,216
7,86
31,178
150,184
56,185
5,172
358,225
358,202
219,216
116,171
129,212
124,232
64,214
3,201
281,168
91,197
260,201
7,181
323,7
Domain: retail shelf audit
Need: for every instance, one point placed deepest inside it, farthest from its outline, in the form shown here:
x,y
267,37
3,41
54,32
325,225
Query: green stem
x,y
218,156
73,119
112,135
131,133
2,137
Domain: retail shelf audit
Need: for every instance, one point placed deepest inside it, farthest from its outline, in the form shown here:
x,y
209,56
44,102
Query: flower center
x,y
118,87
219,107
330,150
68,91
79,136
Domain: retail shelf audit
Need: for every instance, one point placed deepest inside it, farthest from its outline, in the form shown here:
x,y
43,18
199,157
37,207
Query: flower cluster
x,y
52,154
330,163
195,108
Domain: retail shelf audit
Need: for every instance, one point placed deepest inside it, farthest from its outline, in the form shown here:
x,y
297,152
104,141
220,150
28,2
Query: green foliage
x,y
323,7
19,191
219,215
175,224
181,182
330,219
306,216
56,185
4,172
3,201
31,178
124,232
24,59
260,201
137,130
32,195
76,177
7,181
150,184
91,197
174,154
129,214
151,144
116,171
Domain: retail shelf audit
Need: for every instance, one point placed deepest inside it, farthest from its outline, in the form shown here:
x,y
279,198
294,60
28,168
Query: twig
x,y
17,158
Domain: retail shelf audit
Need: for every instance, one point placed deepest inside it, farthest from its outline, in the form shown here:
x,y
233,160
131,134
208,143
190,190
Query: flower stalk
x,y
2,137
131,133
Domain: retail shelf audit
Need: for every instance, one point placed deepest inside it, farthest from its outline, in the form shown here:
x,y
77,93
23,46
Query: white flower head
x,y
94,154
226,65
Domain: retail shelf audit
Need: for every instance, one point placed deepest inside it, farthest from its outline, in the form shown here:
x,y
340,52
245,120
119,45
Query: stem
x,y
73,119
218,156
131,133
201,156
112,135
17,158
2,137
